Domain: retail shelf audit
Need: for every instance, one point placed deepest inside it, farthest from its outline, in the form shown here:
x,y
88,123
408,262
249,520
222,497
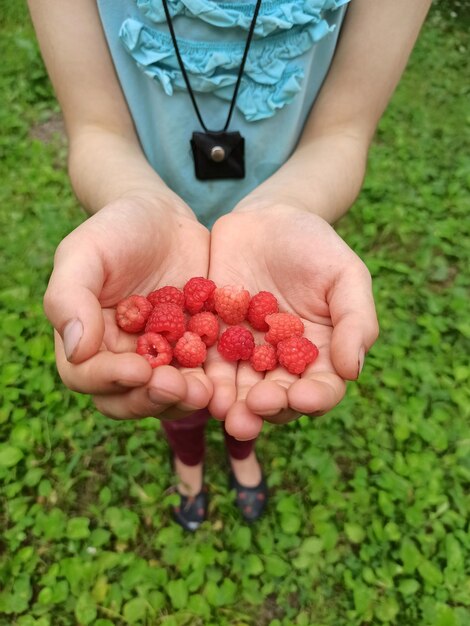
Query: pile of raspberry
x,y
178,326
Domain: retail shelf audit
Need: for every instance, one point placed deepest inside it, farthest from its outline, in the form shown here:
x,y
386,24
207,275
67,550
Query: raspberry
x,y
296,353
231,303
132,313
282,326
168,320
197,292
236,343
262,304
167,294
209,304
264,358
206,325
155,349
190,350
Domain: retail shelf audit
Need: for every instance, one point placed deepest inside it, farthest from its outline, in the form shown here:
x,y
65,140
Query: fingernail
x,y
73,332
360,361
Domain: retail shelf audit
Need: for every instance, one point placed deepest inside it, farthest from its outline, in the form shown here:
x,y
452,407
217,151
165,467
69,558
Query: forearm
x,y
325,173
323,176
106,161
105,166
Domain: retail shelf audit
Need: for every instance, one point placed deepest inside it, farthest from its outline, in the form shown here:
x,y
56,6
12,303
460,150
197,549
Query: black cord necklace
x,y
217,153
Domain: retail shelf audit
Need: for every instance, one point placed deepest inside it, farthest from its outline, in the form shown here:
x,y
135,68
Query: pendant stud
x,y
217,154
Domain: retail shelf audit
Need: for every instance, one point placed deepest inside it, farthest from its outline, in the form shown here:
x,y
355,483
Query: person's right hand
x,y
133,245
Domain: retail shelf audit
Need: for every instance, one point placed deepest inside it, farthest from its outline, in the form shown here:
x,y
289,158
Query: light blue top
x,y
289,57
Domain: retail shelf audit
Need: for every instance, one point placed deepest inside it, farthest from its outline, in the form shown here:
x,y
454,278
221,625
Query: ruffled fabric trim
x,y
270,81
274,14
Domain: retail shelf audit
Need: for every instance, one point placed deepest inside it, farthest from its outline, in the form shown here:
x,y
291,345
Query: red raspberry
x,y
236,343
167,294
168,320
282,326
206,325
231,303
264,358
262,304
197,292
155,349
209,304
190,350
296,353
132,313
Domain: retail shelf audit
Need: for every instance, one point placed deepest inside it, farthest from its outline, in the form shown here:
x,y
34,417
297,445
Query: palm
x,y
139,253
300,259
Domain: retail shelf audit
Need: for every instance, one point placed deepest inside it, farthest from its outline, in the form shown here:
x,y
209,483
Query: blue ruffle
x,y
274,14
271,78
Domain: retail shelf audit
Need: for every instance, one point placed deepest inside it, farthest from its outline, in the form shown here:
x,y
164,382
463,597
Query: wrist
x,y
266,203
105,167
163,200
323,176
261,214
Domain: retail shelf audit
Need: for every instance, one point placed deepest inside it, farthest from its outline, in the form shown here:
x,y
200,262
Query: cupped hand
x,y
134,245
298,257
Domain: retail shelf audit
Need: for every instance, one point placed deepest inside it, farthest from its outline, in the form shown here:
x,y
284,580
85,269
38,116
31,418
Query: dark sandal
x,y
191,511
250,500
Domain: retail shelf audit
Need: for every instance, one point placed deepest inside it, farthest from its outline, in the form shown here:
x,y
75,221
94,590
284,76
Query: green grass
x,y
369,516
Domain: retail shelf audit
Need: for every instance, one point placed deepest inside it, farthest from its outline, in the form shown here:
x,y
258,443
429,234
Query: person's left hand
x,y
298,257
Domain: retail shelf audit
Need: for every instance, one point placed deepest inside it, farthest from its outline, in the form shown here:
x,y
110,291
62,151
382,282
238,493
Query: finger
x,y
165,390
240,421
133,405
114,338
71,303
317,394
269,397
269,400
181,387
128,407
319,388
222,374
199,389
355,325
171,393
247,377
104,372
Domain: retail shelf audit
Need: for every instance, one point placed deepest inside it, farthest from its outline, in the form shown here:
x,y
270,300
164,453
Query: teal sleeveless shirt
x,y
289,57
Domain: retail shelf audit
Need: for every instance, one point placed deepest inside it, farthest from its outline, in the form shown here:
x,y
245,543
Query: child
x,y
317,78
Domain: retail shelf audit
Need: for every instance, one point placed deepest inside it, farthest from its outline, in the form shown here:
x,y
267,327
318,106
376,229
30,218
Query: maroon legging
x,y
186,439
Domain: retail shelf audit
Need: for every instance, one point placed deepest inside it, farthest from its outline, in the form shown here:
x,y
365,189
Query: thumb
x,y
355,325
71,300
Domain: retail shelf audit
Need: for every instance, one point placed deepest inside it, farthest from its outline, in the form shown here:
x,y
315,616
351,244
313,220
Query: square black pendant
x,y
218,155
